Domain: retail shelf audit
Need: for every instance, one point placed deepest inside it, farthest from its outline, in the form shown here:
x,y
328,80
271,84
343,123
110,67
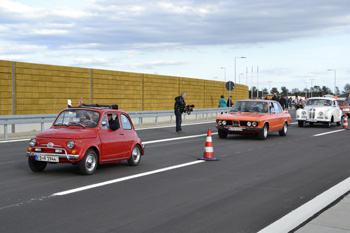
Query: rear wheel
x,y
262,135
222,134
284,130
135,157
88,165
36,166
300,123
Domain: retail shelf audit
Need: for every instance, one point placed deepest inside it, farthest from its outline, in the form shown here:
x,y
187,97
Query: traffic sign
x,y
230,86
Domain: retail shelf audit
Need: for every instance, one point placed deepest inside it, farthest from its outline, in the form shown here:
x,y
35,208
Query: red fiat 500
x,y
87,136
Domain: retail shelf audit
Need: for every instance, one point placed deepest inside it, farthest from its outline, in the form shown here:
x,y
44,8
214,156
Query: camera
x,y
188,109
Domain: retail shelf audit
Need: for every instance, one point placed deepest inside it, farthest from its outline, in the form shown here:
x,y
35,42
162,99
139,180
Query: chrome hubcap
x,y
90,162
285,128
265,131
136,154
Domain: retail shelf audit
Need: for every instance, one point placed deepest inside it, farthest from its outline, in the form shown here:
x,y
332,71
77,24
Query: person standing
x,y
283,103
179,107
229,102
348,98
222,103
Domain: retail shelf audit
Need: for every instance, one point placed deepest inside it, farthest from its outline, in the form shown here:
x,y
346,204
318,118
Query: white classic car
x,y
320,110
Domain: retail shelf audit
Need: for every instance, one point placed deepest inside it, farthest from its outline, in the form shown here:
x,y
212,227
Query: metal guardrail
x,y
49,118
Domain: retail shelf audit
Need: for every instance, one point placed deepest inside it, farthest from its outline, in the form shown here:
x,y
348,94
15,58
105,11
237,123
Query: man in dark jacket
x,y
283,103
179,107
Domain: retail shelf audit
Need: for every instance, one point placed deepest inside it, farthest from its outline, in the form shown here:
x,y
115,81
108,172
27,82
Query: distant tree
x,y
326,90
284,91
346,88
337,92
274,90
295,91
265,91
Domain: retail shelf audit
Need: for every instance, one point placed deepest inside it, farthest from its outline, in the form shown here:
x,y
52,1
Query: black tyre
x,y
262,135
311,123
88,165
222,134
328,124
284,130
36,166
135,157
300,123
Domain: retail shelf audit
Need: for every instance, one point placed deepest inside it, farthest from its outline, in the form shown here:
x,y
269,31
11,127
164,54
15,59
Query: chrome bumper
x,y
64,155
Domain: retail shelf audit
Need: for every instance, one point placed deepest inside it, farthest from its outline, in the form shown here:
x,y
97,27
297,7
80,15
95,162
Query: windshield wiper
x,y
78,123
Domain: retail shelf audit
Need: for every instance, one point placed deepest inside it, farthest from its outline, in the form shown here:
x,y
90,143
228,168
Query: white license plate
x,y
235,129
47,158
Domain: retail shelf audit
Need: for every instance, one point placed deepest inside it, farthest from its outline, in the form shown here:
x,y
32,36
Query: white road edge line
x,y
16,140
174,139
306,211
126,178
335,131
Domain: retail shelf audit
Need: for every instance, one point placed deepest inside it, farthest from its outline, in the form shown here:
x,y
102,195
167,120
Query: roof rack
x,y
100,106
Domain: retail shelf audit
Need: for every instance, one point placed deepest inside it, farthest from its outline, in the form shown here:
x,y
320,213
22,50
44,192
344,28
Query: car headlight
x,y
304,113
320,113
255,124
249,123
224,122
70,144
219,122
32,142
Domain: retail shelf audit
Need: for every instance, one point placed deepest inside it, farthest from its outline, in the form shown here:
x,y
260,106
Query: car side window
x,y
272,108
126,124
277,108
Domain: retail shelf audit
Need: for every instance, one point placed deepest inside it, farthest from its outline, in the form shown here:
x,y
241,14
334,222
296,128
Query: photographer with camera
x,y
180,107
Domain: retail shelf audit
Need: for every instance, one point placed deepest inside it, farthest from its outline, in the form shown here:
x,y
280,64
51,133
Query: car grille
x,y
243,123
312,113
233,123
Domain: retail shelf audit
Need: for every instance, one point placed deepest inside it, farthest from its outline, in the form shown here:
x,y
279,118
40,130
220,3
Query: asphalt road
x,y
254,184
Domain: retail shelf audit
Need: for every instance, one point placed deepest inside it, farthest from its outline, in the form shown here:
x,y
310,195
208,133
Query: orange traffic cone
x,y
345,122
209,150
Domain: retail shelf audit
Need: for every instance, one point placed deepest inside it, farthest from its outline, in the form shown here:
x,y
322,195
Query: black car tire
x,y
262,135
135,157
36,166
328,124
88,165
300,123
284,130
222,134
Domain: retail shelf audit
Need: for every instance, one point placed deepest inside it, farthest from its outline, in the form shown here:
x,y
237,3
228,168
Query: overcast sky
x,y
290,43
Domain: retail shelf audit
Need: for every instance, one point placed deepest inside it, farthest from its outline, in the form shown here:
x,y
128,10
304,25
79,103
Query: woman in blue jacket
x,y
222,102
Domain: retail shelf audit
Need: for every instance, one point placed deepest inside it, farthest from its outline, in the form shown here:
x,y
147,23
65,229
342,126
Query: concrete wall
x,y
44,89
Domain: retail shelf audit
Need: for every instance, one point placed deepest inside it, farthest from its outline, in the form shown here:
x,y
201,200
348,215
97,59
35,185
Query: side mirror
x,y
104,123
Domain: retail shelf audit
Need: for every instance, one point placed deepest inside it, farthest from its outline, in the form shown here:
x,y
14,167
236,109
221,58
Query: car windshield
x,y
84,118
319,102
250,106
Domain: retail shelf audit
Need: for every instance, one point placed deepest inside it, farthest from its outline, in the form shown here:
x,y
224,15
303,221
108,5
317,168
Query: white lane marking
x,y
126,178
335,131
178,138
17,140
309,209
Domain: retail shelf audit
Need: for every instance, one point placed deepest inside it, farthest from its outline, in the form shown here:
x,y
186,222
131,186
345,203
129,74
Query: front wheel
x,y
222,134
135,157
284,130
88,165
36,166
328,124
300,123
262,135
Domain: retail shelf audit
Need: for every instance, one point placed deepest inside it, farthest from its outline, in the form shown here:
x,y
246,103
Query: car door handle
x,y
122,134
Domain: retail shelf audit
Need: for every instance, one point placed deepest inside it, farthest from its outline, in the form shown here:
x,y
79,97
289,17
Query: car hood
x,y
248,116
68,133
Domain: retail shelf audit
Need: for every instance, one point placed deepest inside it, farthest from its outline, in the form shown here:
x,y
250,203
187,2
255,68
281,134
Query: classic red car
x,y
87,136
344,106
254,117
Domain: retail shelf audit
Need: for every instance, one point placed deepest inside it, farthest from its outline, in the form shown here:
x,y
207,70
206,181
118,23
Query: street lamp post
x,y
240,77
235,65
306,90
311,79
224,72
269,86
335,77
